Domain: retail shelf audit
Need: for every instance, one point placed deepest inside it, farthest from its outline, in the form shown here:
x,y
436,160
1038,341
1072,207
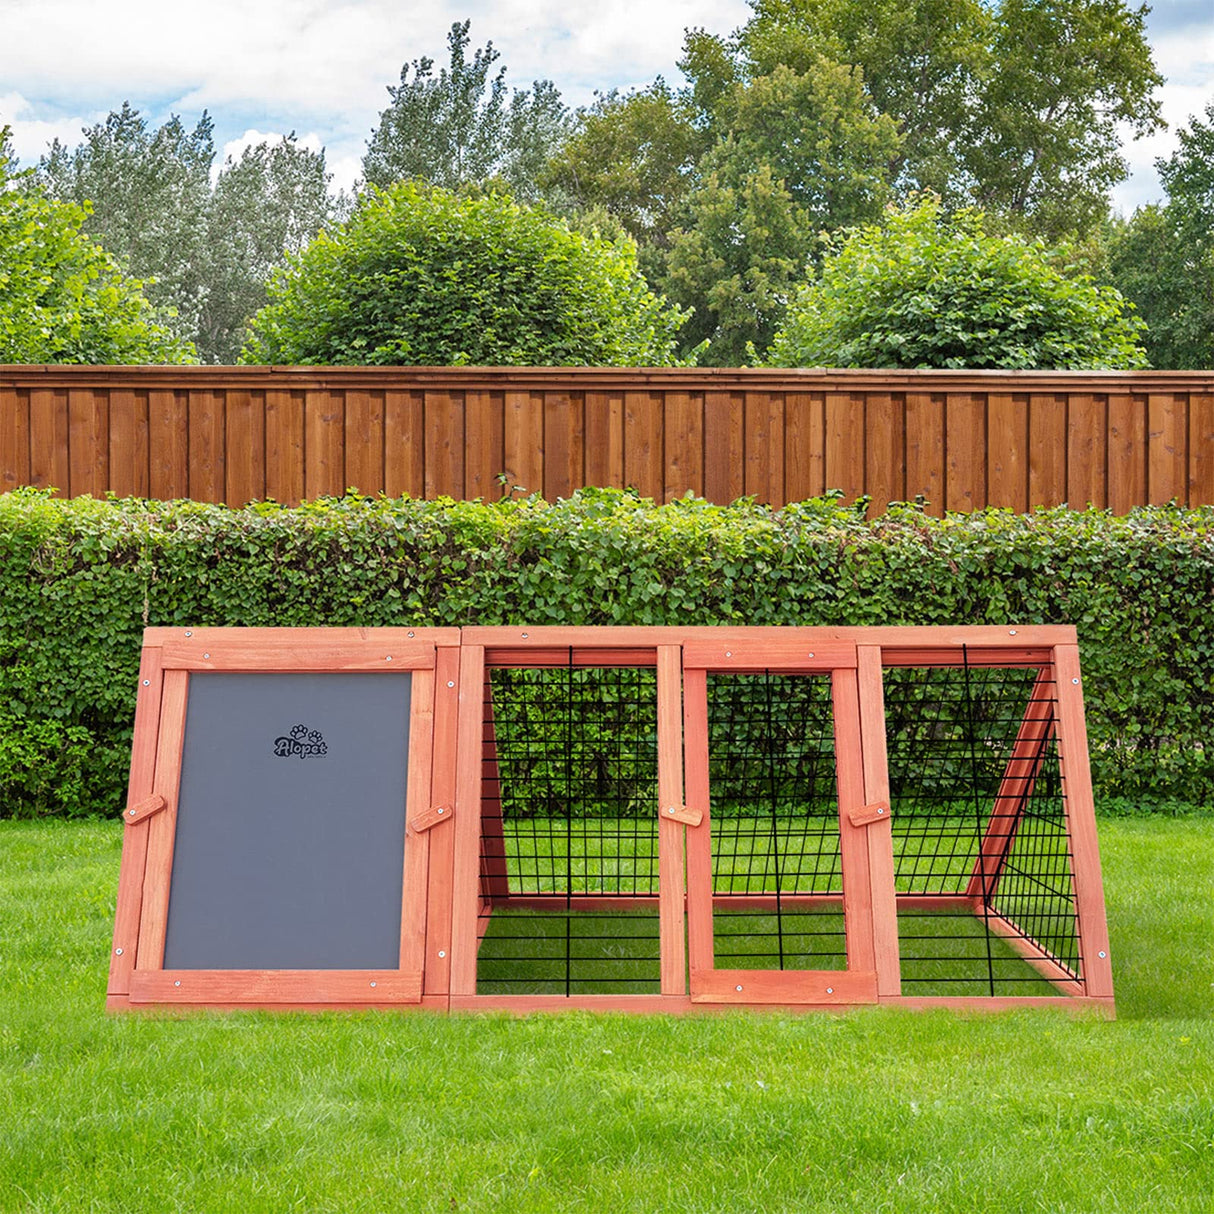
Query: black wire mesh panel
x,y
569,823
978,814
776,870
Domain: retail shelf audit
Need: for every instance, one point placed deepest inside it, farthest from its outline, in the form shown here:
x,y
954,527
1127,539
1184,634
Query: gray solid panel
x,y
290,835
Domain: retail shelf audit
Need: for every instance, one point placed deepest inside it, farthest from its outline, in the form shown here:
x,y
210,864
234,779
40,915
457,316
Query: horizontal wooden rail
x,y
961,439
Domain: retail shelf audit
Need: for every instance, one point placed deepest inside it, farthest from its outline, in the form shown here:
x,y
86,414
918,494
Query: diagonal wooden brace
x,y
142,810
681,813
433,816
878,811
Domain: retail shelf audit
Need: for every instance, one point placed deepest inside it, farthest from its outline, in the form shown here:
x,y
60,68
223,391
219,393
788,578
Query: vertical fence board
x,y
245,444
284,437
1167,426
1127,452
49,440
1201,449
845,443
684,426
88,441
763,477
965,443
804,445
724,446
1086,451
1007,420
605,439
404,445
128,443
885,449
484,457
444,422
14,438
644,459
1047,449
563,429
365,441
925,462
169,444
523,440
207,455
324,431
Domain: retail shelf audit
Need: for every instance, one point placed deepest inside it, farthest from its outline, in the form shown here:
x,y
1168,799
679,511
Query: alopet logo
x,y
301,742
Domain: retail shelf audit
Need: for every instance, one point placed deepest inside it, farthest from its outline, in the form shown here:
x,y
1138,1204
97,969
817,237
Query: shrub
x,y
419,275
80,579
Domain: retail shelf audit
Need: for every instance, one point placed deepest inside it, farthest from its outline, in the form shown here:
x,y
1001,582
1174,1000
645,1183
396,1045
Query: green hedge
x,y
80,579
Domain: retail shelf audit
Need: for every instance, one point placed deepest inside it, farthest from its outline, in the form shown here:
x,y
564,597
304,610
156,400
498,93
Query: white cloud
x,y
32,133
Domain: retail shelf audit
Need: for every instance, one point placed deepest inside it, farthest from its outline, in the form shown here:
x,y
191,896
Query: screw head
x,y
410,635
188,633
118,952
670,810
737,988
205,656
442,952
442,809
881,810
1102,955
388,658
147,682
526,635
177,983
1074,680
830,990
130,813
811,655
450,684
729,653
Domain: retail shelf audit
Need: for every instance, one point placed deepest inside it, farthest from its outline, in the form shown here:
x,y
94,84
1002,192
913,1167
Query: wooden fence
x,y
961,439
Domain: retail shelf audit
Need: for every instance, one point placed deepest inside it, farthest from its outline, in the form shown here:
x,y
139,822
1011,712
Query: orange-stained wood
x,y
447,693
671,855
414,922
1030,951
866,816
787,987
142,810
681,813
733,653
466,863
256,987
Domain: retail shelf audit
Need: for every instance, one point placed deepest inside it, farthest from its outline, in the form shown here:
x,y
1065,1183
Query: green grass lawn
x,y
874,1110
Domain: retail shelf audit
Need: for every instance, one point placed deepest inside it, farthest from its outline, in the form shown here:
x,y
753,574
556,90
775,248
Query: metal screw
x,y
147,682
441,810
130,813
188,633
670,810
177,983
729,654
1011,632
1101,955
881,811
442,952
830,990
526,635
205,656
373,984
1074,680
811,655
410,636
118,952
388,658
737,988
450,684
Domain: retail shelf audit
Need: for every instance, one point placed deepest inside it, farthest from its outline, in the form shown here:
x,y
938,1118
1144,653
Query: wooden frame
x,y
452,748
170,656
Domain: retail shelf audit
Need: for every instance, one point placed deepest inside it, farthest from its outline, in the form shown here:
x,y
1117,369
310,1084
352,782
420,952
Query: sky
x,y
320,67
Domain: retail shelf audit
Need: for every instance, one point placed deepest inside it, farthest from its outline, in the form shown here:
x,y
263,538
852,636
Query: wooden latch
x,y
144,809
680,813
878,811
433,816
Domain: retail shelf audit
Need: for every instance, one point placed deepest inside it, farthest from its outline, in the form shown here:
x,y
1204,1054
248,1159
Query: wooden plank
x,y
1081,824
245,444
683,422
605,439
255,988
671,854
154,899
965,447
308,642
1201,449
529,1005
444,426
1127,452
523,439
168,444
284,446
1008,450
404,444
699,842
845,444
484,455
48,454
324,436
135,839
925,452
734,653
879,833
1086,450
415,885
643,451
442,838
814,987
364,442
563,440
1167,432
1004,1003
724,447
128,454
763,477
208,456
804,445
466,859
88,441
14,438
287,652
1029,950
885,449
1047,449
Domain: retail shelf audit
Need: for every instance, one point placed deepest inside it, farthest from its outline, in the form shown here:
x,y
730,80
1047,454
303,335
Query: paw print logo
x,y
299,732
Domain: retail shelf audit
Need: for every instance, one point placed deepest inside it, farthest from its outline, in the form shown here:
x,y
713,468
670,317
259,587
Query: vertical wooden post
x,y
699,839
466,869
880,834
1081,825
415,885
671,860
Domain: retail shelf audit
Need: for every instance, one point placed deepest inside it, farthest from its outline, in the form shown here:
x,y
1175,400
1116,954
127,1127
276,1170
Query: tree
x,y
923,290
1163,257
204,250
62,298
419,275
458,128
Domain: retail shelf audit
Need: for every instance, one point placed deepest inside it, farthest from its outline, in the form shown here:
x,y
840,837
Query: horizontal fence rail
x,y
962,440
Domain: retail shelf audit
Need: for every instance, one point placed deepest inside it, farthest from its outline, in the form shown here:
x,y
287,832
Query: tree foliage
x,y
419,275
926,291
62,298
205,249
460,128
1163,257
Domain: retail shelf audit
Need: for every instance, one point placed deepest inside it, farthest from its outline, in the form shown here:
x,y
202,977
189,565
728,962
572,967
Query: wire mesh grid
x,y
978,813
569,815
775,823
